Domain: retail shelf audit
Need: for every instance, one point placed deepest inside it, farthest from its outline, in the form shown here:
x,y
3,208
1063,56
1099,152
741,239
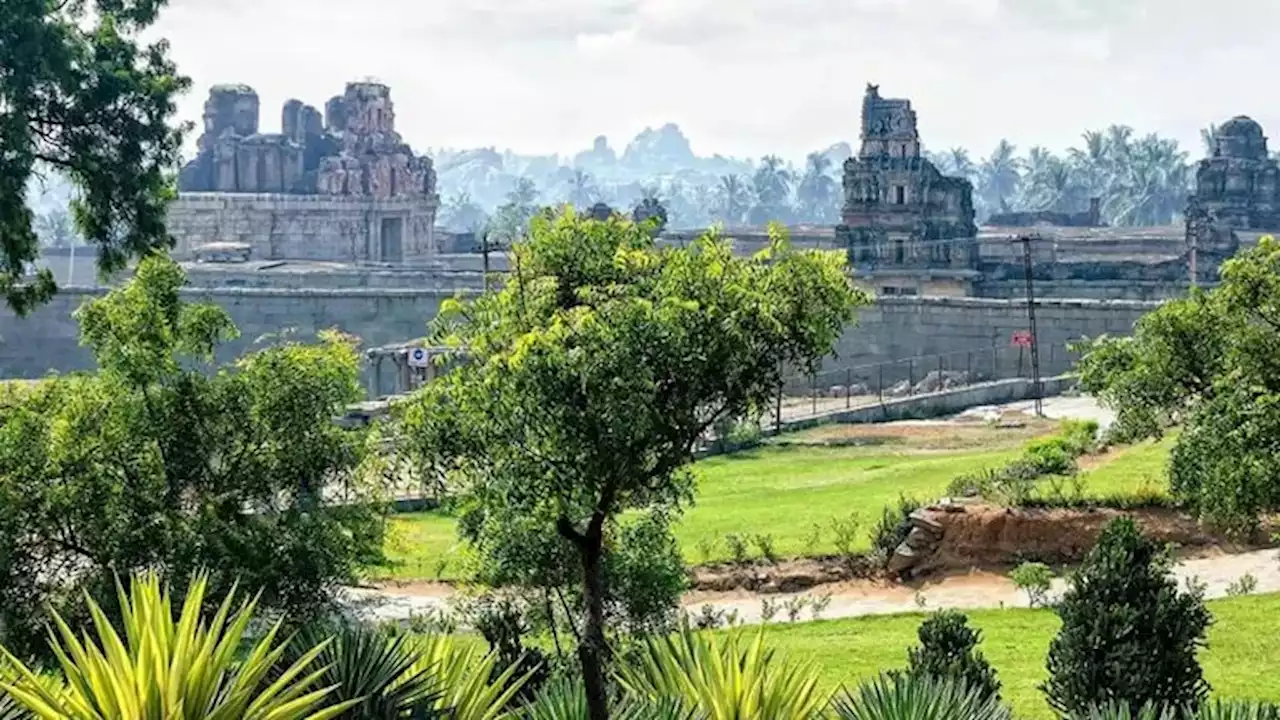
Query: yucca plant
x,y
564,698
1238,710
374,669
724,679
1114,710
186,668
899,696
469,687
1216,710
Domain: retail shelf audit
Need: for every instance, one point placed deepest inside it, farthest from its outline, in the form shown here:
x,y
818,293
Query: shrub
x,y
737,545
765,544
1034,579
894,525
948,650
724,677
1127,632
906,697
1245,585
167,667
844,536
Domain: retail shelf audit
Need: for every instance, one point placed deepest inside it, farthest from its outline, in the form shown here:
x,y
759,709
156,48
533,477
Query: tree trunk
x,y
592,650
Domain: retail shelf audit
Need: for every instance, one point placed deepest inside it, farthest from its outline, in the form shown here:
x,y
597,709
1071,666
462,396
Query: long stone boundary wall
x,y
891,329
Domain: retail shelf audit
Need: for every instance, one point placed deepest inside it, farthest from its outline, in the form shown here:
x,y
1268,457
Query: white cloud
x,y
743,77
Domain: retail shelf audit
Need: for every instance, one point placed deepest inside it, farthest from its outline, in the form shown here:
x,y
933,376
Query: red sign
x,y
1022,338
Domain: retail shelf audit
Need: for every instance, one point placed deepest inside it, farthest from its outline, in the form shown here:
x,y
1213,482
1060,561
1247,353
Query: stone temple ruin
x,y
901,216
343,187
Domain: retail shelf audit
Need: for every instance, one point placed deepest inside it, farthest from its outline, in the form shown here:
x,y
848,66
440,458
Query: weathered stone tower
x,y
900,213
341,187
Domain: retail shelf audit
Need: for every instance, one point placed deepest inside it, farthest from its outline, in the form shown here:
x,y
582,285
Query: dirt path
x,y
857,598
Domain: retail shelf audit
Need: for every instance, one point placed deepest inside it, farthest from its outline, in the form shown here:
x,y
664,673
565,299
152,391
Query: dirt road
x,y
857,598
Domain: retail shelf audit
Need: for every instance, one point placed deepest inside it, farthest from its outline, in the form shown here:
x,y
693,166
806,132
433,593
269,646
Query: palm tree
x,y
582,190
772,185
960,164
1209,137
732,199
817,192
999,176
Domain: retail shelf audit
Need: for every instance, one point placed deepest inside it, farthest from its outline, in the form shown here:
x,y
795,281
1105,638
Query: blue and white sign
x,y
418,357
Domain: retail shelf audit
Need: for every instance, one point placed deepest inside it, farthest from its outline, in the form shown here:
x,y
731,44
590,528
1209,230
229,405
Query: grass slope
x,y
782,491
1239,662
793,491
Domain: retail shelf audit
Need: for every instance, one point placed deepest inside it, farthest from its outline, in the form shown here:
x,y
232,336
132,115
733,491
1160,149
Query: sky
x,y
744,78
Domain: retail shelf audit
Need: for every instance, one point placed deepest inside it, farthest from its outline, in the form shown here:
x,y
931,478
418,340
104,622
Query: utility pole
x,y
1031,319
484,249
1195,242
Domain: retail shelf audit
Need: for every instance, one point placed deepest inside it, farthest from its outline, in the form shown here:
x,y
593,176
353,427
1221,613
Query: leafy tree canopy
x,y
1210,362
158,461
595,371
80,96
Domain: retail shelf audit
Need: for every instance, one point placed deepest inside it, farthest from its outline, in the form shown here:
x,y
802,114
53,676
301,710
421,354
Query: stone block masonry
x,y
49,339
307,227
891,329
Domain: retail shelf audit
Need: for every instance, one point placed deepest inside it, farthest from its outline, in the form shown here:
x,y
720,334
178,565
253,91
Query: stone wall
x,y
892,330
307,227
48,339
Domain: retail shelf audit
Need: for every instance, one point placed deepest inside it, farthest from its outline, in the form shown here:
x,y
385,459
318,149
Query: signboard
x,y
419,358
1022,338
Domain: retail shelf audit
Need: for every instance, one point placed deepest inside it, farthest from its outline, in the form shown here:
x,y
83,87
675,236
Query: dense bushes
x,y
1128,634
162,459
1015,483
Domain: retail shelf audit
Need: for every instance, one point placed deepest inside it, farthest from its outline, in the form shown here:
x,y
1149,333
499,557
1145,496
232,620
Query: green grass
x,y
775,490
1136,469
793,493
1240,661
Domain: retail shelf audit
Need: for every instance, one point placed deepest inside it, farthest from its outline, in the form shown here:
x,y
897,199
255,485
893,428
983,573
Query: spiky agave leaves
x,y
724,678
374,669
1216,710
899,696
186,668
466,677
565,699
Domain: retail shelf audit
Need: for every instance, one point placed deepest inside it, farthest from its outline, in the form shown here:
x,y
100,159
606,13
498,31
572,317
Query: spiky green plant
x,y
186,668
563,698
1215,710
1238,710
374,669
917,697
724,678
465,676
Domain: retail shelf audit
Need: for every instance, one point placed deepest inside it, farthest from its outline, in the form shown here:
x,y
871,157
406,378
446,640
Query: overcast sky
x,y
745,77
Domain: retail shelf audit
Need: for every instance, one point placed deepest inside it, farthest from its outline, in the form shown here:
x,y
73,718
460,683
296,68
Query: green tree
x,y
948,651
594,372
80,96
1209,362
1128,634
156,462
818,192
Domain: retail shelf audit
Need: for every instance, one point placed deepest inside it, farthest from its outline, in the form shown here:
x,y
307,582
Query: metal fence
x,y
836,388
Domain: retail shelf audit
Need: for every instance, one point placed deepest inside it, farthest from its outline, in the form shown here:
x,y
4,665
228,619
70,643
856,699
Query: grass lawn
x,y
779,490
1136,469
1243,651
794,491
